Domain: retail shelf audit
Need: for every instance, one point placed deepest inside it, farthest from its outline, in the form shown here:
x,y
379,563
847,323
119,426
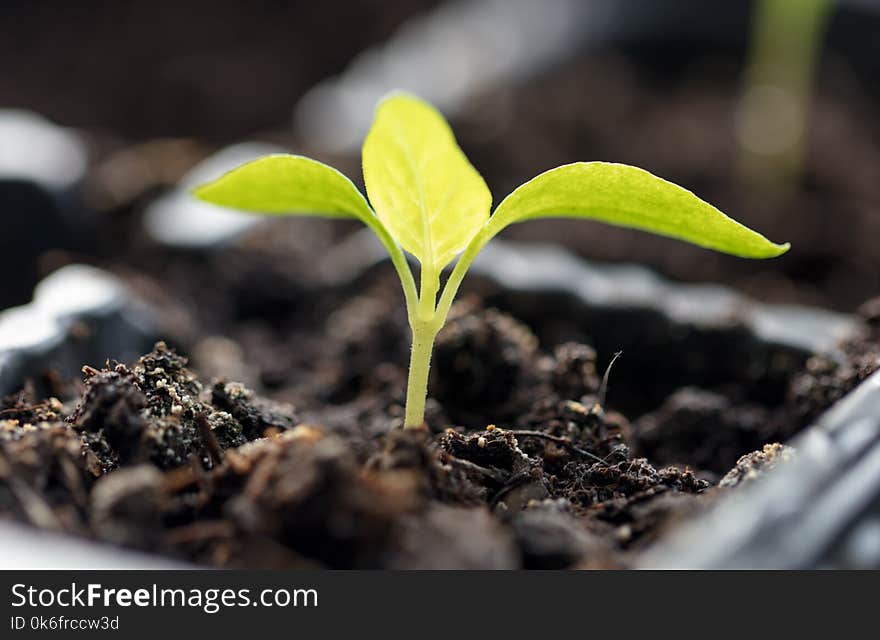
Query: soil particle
x,y
441,476
549,537
311,495
481,365
584,427
157,411
603,491
612,487
493,449
619,500
753,465
827,378
492,460
170,387
24,408
255,415
110,416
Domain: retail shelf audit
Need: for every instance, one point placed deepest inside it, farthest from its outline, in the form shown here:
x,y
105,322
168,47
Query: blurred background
x,y
767,109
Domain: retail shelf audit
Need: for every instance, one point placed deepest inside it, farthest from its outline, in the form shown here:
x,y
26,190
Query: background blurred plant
x,y
772,122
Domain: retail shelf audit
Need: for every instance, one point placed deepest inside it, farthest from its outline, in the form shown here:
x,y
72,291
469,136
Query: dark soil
x,y
152,458
540,474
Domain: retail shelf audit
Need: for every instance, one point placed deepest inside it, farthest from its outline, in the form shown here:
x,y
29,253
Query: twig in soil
x,y
603,388
565,442
11,411
89,372
493,474
209,438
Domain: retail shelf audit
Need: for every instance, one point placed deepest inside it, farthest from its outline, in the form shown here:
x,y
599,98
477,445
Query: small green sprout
x,y
429,201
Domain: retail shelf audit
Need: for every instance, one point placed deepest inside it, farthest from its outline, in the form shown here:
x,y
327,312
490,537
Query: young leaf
x,y
420,183
630,197
288,184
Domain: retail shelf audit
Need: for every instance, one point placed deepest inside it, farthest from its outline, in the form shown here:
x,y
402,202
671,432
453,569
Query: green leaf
x,y
420,183
288,184
630,197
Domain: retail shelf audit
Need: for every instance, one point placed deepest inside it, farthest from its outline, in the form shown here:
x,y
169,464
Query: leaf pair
x,y
433,203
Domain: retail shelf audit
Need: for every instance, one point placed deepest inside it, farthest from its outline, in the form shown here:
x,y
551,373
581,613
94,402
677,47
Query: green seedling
x,y
427,200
